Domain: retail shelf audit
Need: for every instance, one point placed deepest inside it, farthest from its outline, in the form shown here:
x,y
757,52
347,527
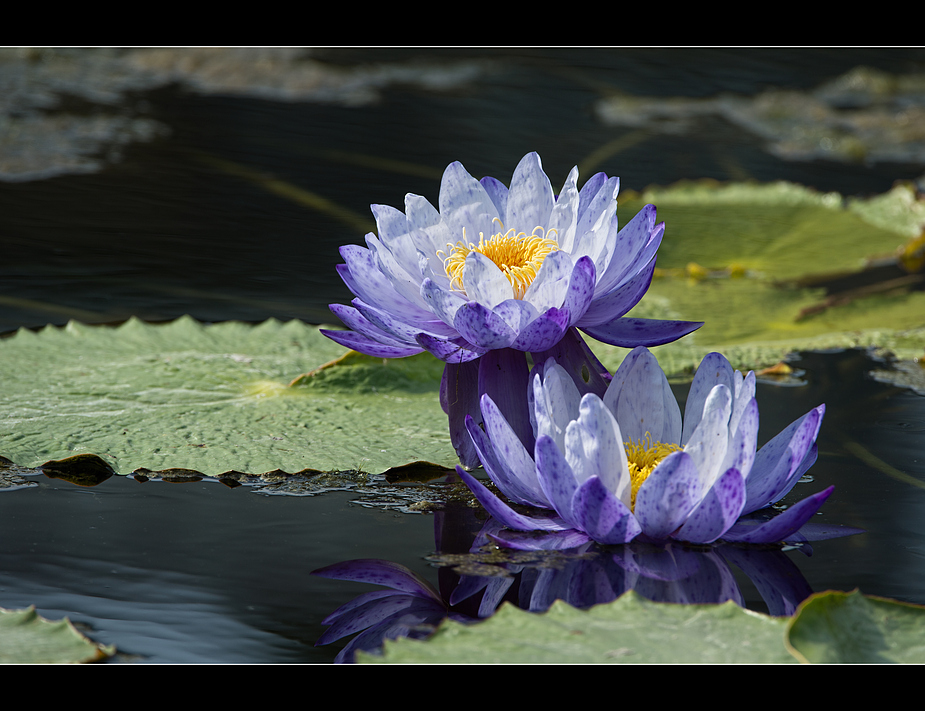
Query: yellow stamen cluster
x,y
643,457
518,255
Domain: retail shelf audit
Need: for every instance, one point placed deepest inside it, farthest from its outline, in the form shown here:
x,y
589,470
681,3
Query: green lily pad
x,y
775,268
215,398
27,638
850,628
828,628
629,630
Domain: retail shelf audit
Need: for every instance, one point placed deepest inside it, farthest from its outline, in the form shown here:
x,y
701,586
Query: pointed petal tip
x,y
630,332
785,525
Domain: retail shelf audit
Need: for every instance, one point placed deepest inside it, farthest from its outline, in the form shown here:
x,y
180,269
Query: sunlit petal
x,y
613,468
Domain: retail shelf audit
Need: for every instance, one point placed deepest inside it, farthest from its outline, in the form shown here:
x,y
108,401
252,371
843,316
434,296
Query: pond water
x,y
191,210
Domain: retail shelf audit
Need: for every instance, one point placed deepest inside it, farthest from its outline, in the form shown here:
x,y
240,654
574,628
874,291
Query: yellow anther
x,y
518,255
643,457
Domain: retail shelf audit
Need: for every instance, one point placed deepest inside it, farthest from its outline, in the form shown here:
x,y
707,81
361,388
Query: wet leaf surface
x,y
850,628
27,638
630,630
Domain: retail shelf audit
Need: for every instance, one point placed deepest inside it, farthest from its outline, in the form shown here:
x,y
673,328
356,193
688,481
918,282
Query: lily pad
x,y
27,638
830,627
215,398
630,630
776,268
850,628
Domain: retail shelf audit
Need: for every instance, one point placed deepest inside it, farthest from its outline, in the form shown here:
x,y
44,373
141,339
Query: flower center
x,y
643,457
518,255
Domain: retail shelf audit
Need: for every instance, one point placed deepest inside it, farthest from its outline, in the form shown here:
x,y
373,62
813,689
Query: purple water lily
x,y
628,465
496,273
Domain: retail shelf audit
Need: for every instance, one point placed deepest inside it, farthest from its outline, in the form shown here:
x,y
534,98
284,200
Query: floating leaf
x,y
213,399
904,374
850,628
26,638
630,630
735,256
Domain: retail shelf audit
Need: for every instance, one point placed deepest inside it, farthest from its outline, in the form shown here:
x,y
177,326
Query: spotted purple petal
x,y
359,342
778,461
781,527
450,351
544,332
616,303
504,513
717,511
354,320
602,515
556,478
668,496
482,327
581,290
508,470
632,332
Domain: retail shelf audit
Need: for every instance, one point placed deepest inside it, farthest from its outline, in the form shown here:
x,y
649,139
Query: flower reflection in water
x,y
474,584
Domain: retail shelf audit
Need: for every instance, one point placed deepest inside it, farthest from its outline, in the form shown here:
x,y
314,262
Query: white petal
x,y
403,276
564,217
642,401
443,302
594,447
708,443
516,313
485,282
714,370
556,401
459,190
390,223
596,222
744,393
743,441
530,199
420,213
469,223
498,192
551,284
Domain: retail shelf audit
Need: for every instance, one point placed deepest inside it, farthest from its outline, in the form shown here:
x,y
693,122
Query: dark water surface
x,y
191,223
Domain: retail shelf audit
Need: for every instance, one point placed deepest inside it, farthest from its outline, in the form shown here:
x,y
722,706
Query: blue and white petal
x,y
641,398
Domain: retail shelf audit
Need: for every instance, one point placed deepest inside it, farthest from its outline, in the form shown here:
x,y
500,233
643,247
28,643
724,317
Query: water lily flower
x,y
629,465
495,273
